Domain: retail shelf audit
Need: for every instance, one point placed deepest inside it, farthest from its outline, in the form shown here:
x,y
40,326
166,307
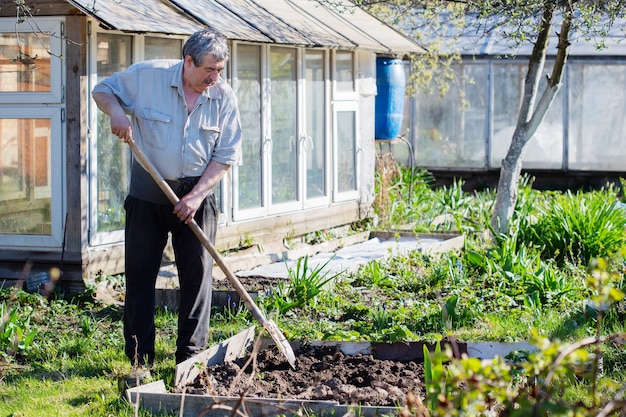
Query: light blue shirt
x,y
179,145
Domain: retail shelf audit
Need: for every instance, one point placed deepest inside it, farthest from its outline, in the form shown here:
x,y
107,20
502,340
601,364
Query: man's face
x,y
202,77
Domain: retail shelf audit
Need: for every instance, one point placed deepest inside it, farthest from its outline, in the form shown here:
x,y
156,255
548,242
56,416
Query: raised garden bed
x,y
330,378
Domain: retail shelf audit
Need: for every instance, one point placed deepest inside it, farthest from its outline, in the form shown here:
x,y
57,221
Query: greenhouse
x,y
468,130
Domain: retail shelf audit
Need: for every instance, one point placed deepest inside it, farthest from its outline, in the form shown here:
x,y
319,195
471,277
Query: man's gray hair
x,y
206,41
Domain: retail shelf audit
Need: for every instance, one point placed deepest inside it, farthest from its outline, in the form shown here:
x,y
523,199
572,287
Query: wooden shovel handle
x,y
219,259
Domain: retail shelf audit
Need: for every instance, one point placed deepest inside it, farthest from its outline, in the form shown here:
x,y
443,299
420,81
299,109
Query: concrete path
x,y
350,258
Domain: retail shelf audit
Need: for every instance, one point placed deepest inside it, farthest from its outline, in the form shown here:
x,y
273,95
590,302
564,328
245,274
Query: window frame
x,y
296,204
57,174
239,214
55,27
340,196
341,94
99,238
319,201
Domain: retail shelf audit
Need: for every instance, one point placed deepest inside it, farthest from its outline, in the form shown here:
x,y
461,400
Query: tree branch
x,y
554,81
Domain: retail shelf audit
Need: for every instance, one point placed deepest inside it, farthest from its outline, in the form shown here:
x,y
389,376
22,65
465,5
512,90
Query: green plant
x,y
533,383
373,274
402,200
579,226
246,240
435,376
381,319
318,236
16,332
454,201
518,270
233,312
548,285
449,313
303,285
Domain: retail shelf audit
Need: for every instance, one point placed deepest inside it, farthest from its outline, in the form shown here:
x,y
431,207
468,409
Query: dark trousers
x,y
147,227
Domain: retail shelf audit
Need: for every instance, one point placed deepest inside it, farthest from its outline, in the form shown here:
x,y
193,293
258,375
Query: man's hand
x,y
187,206
120,127
189,203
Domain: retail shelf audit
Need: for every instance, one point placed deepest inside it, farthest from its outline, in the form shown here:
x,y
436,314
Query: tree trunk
x,y
529,119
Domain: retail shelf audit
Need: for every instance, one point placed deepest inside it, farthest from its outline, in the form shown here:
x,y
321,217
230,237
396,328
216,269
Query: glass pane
x,y
25,192
283,115
344,71
24,62
162,48
450,131
249,101
545,148
114,54
597,126
316,124
346,151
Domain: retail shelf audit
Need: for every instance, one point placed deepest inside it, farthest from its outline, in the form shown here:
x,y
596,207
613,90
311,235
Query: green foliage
x,y
435,376
578,226
536,382
303,285
381,319
383,325
373,273
465,386
521,273
488,291
319,236
16,332
605,284
454,201
421,207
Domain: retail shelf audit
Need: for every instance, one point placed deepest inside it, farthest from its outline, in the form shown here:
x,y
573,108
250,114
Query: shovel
x,y
269,325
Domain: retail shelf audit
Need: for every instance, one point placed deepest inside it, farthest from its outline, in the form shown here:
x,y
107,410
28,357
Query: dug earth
x,y
321,373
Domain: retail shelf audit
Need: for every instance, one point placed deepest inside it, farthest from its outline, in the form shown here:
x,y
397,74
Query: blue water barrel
x,y
390,83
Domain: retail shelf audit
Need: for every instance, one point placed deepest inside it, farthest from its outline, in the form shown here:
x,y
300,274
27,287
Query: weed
x,y
246,241
579,226
319,236
16,332
454,202
373,274
448,312
303,285
381,319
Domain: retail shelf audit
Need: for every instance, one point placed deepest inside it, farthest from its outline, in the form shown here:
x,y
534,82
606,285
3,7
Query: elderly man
x,y
185,119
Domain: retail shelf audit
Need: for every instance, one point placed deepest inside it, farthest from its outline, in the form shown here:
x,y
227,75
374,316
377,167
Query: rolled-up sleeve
x,y
122,85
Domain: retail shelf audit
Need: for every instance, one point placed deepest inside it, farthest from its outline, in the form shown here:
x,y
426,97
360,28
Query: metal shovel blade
x,y
269,325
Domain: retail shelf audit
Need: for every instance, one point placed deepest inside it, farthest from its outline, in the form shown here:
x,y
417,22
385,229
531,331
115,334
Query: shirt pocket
x,y
209,135
156,128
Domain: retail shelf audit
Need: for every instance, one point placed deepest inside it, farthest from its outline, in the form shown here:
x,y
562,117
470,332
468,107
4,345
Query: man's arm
x,y
120,125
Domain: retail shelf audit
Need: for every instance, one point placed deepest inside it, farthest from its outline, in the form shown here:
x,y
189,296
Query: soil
x,y
321,373
251,284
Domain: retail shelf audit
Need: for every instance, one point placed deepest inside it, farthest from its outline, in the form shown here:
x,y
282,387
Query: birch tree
x,y
529,22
